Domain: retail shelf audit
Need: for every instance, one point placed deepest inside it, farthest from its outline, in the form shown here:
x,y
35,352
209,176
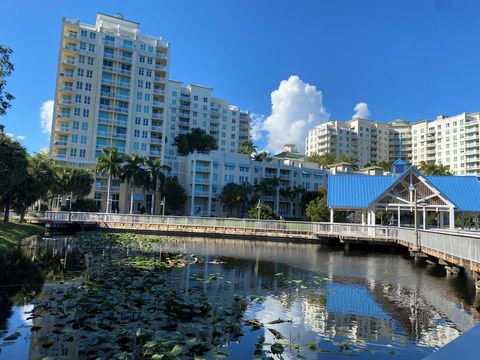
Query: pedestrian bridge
x,y
459,248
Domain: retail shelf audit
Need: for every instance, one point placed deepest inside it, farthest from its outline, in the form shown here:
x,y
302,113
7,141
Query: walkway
x,y
456,248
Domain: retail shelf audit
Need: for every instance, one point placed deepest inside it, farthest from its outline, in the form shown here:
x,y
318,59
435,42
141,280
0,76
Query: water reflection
x,y
381,303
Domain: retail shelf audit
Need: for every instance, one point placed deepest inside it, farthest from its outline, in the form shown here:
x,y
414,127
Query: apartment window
x,y
149,60
205,107
148,73
233,128
88,86
174,93
79,85
83,33
136,133
73,152
139,95
172,127
232,136
205,100
92,35
144,134
138,108
195,105
150,48
79,72
81,59
76,125
89,74
136,146
86,100
148,85
142,58
76,111
145,121
141,71
91,47
74,138
174,101
78,98
83,46
143,47
140,83
84,125
86,112
137,120
146,109
82,153
83,139
195,98
90,60
204,116
144,147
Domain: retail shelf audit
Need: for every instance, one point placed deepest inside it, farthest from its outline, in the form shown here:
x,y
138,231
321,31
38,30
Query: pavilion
x,y
405,191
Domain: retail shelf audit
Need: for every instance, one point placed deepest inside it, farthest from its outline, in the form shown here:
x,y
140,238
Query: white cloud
x,y
46,114
257,131
18,138
361,111
296,108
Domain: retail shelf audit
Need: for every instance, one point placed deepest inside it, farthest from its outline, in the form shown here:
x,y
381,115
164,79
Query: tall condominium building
x,y
400,144
110,91
367,141
452,141
193,106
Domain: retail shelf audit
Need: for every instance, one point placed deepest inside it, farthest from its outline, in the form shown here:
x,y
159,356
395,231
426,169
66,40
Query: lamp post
x,y
69,198
162,204
413,191
259,208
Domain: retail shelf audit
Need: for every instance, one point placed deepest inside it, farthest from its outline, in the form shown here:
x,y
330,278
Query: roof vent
x,y
118,15
398,167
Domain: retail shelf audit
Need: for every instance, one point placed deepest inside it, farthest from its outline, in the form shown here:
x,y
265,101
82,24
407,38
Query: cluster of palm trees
x,y
138,171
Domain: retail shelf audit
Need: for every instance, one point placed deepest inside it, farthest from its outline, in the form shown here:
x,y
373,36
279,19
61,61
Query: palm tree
x,y
323,159
434,169
248,148
110,163
134,173
156,172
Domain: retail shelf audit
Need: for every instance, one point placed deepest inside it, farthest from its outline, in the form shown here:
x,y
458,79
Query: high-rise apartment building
x,y
365,140
453,141
449,140
110,90
113,90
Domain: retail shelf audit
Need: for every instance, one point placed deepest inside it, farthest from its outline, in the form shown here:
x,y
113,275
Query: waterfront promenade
x,y
444,246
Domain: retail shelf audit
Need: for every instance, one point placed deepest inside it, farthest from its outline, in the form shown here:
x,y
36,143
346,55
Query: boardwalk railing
x,y
462,245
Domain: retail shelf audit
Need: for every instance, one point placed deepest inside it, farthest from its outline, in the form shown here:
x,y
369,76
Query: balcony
x,y
156,141
157,116
67,75
158,103
112,122
66,101
59,156
160,67
156,128
67,88
155,153
60,143
159,91
106,107
159,79
109,42
201,193
70,48
202,181
202,168
160,55
111,135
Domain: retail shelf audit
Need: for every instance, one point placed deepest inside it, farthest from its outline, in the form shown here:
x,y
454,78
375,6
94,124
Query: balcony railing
x,y
157,116
155,153
112,122
156,128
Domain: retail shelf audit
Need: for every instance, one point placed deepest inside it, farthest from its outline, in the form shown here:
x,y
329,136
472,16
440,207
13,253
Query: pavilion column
x,y
398,217
462,221
331,215
441,218
424,218
372,217
451,218
363,218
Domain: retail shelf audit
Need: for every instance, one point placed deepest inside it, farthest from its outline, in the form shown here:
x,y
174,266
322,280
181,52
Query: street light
x,y
162,204
69,198
259,208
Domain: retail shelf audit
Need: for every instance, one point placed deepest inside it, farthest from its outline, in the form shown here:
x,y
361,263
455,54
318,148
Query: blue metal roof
x,y
351,191
462,191
356,191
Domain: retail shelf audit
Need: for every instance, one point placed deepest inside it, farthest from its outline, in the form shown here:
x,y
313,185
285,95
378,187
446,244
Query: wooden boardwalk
x,y
456,248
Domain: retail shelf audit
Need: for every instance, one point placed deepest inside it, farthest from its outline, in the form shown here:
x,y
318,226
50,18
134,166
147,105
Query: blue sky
x,y
406,59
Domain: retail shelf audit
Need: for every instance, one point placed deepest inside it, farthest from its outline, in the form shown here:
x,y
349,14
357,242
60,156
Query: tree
x,y
6,69
348,159
35,185
266,212
430,169
322,160
174,195
133,172
156,178
317,209
262,156
13,170
77,182
109,163
197,140
248,148
234,196
386,165
309,196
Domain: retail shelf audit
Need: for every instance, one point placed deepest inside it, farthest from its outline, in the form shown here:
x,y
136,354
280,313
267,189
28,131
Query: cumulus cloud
x,y
257,131
46,114
361,111
14,137
296,107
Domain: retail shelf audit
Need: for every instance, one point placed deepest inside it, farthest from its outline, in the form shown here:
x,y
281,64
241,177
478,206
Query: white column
x,y
462,221
451,222
398,217
192,200
424,218
363,218
331,215
372,217
441,217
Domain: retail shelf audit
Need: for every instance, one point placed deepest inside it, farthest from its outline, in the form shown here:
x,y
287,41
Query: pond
x,y
130,296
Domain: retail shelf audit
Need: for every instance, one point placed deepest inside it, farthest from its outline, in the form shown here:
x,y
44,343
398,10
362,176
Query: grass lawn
x,y
12,233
